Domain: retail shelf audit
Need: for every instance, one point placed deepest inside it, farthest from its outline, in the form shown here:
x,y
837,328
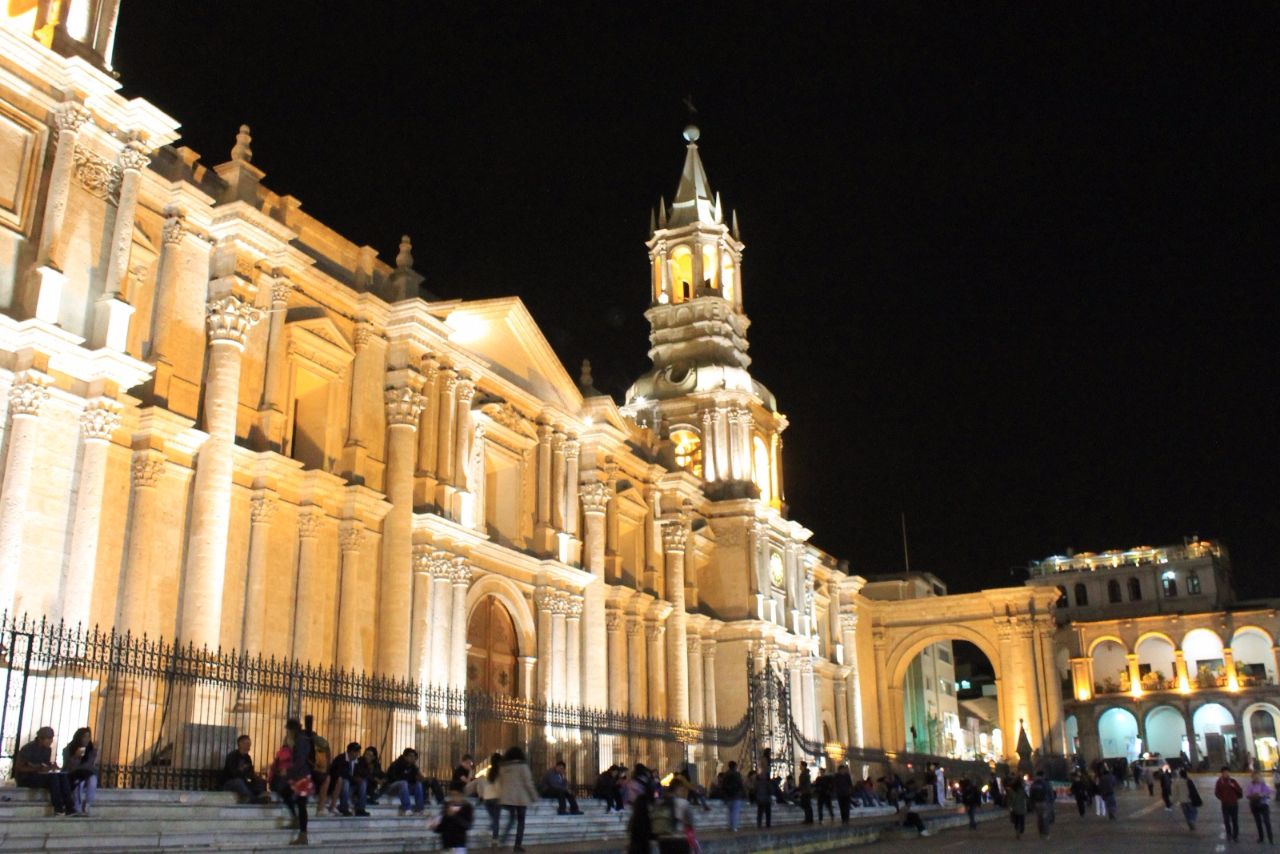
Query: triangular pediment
x,y
504,334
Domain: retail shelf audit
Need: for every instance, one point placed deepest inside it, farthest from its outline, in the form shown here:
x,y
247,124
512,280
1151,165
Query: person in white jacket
x,y
486,787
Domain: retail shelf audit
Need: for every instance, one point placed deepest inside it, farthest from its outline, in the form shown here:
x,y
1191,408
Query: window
x,y
1062,597
760,459
1082,595
1135,590
688,450
1193,584
1113,591
681,273
1170,584
943,655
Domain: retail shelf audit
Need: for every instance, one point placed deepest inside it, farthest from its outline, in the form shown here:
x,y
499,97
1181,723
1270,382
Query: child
x,y
453,823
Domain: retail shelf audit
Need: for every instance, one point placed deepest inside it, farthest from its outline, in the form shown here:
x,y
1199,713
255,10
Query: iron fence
x,y
165,716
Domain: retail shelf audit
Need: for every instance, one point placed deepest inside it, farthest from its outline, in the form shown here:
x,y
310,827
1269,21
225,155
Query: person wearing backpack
x,y
733,793
1018,807
1039,798
671,822
1183,793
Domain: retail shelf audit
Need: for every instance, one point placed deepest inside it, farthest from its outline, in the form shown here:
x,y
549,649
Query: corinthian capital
x,y
422,558
99,420
70,117
675,536
404,405
349,537
594,497
147,468
466,391
229,319
571,448
571,604
848,622
27,395
280,290
309,522
175,226
261,507
459,572
134,157
442,565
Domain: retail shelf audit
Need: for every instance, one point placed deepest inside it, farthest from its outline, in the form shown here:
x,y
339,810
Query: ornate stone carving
x,y
422,558
466,391
635,627
612,619
229,319
572,447
571,605
594,496
261,508
146,468
309,523
99,420
441,565
459,572
175,226
544,432
695,645
557,443
71,117
134,157
404,405
848,622
508,416
546,599
675,536
448,381
241,150
27,395
99,176
653,631
280,290
349,537
364,334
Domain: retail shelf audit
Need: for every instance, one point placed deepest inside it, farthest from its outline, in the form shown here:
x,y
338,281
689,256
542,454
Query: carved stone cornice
x,y
28,395
229,320
594,497
99,420
262,507
146,469
675,536
404,405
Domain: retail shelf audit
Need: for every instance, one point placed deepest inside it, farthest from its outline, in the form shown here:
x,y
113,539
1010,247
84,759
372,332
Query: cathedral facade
x,y
227,424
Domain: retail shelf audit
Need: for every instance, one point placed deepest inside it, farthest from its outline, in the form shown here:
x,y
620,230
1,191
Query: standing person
x,y
822,789
1227,790
321,755
1079,791
453,822
518,792
292,777
1166,787
1107,791
1039,798
1184,794
939,786
733,792
488,791
1018,807
843,787
405,780
640,825
764,801
1151,781
556,785
805,790
239,776
34,768
971,797
80,764
1259,796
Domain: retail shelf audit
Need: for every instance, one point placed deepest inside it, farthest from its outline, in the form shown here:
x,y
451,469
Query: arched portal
x,y
1215,734
1110,666
493,665
1156,662
1166,731
1261,726
949,702
1118,732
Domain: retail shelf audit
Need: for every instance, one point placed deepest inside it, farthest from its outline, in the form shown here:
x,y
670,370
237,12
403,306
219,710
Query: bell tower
x,y
721,424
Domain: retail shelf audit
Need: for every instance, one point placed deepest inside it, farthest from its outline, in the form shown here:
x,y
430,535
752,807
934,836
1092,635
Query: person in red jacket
x,y
1228,791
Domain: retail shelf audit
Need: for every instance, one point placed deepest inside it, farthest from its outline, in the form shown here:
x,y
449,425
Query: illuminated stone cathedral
x,y
225,423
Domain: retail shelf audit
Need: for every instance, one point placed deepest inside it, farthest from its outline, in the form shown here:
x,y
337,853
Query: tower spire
x,y
694,201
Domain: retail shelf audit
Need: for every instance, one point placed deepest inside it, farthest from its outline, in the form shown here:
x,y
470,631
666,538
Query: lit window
x,y
682,273
726,276
760,459
688,450
1193,584
1170,584
709,266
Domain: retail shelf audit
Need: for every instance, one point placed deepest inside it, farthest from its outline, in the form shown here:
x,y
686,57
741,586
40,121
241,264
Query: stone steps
x,y
141,820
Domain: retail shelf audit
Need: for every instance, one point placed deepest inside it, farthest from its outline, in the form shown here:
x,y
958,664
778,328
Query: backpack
x,y
320,754
1194,794
662,819
1038,792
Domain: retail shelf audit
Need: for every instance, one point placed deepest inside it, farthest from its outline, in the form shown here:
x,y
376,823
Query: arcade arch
x,y
1118,734
1261,724
1215,734
1251,647
1110,664
1203,651
1166,731
1157,666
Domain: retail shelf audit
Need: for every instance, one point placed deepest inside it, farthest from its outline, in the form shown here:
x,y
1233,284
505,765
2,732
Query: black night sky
x,y
1011,272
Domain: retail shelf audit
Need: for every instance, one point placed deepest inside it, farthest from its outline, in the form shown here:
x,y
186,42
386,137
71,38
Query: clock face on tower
x,y
775,569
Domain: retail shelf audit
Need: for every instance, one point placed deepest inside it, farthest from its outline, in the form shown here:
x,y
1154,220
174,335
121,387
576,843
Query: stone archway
x,y
1013,627
493,656
484,593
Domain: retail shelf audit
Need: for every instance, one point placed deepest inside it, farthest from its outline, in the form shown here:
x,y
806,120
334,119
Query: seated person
x,y
404,780
238,775
375,775
34,768
80,764
556,785
351,782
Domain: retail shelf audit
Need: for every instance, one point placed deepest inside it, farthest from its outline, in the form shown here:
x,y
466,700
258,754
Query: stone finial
x,y
241,150
404,258
584,377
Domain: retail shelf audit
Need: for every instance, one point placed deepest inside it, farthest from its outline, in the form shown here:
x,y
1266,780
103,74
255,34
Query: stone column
x,y
351,595
638,658
466,392
809,683
1229,664
546,602
527,664
1055,727
544,484
849,639
427,445
68,118
420,619
441,625
695,679
1135,679
229,320
1082,678
98,421
573,650
884,701
276,357
615,624
596,661
839,692
1275,663
111,316
395,592
460,577
744,443
571,450
447,383
559,649
1179,667
721,444
261,508
674,537
168,282
26,398
312,596
146,470
709,717
653,632
557,481
709,471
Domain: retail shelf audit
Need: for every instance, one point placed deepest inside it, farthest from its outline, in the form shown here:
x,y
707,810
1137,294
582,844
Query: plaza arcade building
x,y
224,423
